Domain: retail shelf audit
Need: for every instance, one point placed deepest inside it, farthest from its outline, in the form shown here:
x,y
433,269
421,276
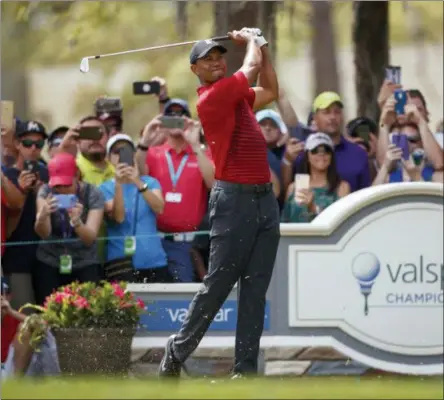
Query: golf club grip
x,y
220,38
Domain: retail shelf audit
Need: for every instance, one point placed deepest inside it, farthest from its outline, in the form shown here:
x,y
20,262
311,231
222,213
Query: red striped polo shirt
x,y
237,145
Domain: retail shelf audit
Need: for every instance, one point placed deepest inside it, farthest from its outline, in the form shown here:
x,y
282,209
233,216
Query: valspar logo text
x,y
408,283
168,315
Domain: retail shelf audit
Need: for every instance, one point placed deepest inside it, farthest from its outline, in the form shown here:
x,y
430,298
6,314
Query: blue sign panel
x,y
168,315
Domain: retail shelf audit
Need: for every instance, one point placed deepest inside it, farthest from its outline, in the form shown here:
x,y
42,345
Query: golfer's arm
x,y
252,61
267,89
206,167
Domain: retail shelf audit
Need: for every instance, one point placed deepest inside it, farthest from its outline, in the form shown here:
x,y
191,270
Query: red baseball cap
x,y
62,170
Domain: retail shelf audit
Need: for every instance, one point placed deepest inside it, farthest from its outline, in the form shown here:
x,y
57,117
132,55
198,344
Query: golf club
x,y
84,64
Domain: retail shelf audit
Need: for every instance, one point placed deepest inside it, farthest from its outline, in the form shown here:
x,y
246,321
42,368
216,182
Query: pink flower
x,y
119,292
140,303
81,303
59,297
67,290
124,305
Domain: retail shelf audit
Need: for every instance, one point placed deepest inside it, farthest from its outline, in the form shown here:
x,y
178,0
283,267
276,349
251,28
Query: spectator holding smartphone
x,y
69,215
19,261
132,202
55,139
323,184
186,173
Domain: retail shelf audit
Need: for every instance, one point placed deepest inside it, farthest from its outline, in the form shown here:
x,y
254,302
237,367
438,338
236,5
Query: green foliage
x,y
55,34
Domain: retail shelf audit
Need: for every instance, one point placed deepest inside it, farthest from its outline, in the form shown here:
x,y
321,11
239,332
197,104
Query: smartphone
x,y
7,114
90,133
66,201
393,74
172,122
302,181
31,166
146,87
401,141
5,287
401,101
108,105
126,155
363,132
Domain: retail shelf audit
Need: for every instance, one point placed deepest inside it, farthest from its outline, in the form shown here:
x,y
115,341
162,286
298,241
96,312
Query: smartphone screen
x,y
363,132
401,141
302,181
66,201
126,155
172,122
90,133
401,101
31,166
393,74
108,105
147,87
7,114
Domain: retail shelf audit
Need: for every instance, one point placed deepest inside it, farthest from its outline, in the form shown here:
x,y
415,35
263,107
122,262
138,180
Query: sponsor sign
x,y
381,283
168,315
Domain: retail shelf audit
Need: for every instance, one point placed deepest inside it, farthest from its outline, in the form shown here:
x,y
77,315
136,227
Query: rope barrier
x,y
101,238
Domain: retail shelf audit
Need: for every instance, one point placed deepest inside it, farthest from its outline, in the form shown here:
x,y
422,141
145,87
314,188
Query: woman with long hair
x,y
317,183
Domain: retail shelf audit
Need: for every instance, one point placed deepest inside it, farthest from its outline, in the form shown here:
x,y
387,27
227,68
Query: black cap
x,y
359,121
202,48
26,127
57,131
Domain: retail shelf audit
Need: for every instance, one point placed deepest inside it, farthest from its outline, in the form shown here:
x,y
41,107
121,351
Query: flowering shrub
x,y
88,305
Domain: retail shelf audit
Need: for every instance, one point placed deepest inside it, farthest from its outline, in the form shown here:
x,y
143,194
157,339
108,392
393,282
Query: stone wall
x,y
297,361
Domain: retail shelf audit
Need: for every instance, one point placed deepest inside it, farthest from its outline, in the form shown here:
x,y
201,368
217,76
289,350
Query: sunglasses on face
x,y
321,150
28,143
413,139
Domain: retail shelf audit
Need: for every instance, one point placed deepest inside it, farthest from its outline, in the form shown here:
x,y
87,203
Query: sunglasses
x,y
28,143
321,150
414,139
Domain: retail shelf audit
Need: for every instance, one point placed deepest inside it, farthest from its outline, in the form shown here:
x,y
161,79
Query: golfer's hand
x,y
241,37
257,33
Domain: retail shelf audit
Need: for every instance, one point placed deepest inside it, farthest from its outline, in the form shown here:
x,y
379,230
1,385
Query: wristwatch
x,y
144,188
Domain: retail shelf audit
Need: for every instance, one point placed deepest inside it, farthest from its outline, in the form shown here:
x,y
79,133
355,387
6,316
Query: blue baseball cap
x,y
274,116
177,102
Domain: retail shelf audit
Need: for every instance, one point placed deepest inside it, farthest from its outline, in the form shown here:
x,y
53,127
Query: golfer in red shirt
x,y
243,212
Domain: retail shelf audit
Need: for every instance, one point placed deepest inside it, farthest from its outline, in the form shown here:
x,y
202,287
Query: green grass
x,y
287,388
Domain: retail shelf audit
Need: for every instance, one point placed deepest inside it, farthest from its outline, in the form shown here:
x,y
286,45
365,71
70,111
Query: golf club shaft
x,y
163,46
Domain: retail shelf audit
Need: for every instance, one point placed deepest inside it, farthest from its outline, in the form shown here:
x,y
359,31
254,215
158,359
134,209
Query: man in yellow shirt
x,y
92,163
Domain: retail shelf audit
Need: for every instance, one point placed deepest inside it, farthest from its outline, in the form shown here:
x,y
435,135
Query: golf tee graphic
x,y
366,268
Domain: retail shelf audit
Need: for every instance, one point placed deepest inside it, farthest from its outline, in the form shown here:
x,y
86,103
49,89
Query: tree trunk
x,y
323,48
234,15
267,23
371,53
182,19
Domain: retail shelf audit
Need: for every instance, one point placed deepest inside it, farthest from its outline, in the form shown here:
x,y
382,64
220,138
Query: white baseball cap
x,y
120,137
318,139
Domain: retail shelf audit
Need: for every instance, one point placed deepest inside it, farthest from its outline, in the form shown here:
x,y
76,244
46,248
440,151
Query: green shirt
x,y
294,212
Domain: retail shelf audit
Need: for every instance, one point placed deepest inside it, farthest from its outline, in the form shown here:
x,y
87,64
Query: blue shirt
x,y
149,251
396,175
351,163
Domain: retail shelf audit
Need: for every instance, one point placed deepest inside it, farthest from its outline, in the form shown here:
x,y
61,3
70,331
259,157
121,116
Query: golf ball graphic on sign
x,y
366,268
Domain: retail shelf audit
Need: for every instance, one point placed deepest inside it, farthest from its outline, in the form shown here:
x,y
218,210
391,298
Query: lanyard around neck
x,y
175,175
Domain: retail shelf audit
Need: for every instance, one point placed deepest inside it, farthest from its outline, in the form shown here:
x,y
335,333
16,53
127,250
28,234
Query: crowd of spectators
x,y
138,207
